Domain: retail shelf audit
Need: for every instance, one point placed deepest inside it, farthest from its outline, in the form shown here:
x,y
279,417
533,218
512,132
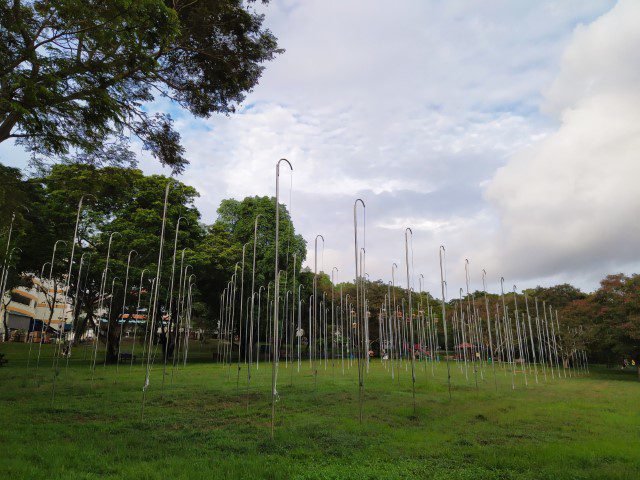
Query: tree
x,y
235,222
557,295
213,261
13,194
123,200
237,219
139,222
75,74
616,323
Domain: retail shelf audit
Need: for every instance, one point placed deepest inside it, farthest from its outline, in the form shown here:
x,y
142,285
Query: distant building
x,y
29,309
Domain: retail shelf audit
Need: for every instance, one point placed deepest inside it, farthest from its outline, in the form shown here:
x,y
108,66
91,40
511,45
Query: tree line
x,y
606,322
126,201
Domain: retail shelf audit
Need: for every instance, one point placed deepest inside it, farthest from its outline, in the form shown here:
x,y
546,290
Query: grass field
x,y
202,427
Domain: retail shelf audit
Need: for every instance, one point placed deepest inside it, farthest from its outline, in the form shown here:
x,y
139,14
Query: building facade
x,y
31,311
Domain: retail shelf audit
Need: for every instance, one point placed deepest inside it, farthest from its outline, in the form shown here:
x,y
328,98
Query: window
x,y
16,297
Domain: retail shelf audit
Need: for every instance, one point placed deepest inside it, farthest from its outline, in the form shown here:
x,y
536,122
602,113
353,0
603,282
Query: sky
x,y
506,131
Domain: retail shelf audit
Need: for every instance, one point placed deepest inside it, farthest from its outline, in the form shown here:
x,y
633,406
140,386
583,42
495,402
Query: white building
x,y
29,308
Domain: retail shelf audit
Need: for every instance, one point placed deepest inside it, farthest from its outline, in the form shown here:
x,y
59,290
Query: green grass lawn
x,y
202,427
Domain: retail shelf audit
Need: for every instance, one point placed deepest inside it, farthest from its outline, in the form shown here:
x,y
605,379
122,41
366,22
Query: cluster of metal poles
x,y
267,325
177,330
274,322
533,345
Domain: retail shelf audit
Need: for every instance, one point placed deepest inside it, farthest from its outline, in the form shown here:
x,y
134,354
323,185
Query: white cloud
x,y
569,205
411,106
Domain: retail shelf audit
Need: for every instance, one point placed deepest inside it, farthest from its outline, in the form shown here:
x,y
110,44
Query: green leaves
x,y
75,74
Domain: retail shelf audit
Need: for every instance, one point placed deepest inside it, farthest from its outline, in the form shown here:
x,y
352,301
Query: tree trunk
x,y
81,325
112,346
5,324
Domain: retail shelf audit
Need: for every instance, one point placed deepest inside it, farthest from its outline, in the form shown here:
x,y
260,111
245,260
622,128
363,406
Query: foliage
x,y
237,219
605,322
115,200
75,74
558,295
125,201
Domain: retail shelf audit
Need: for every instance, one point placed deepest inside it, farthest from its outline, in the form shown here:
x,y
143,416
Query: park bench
x,y
127,357
3,360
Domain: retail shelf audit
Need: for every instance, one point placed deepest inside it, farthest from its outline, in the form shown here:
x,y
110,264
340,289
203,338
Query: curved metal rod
x,y
443,283
276,274
486,305
410,313
358,322
124,303
156,293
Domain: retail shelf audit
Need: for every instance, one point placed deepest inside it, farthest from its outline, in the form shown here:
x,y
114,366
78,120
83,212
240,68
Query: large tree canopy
x,y
116,200
126,201
237,219
75,74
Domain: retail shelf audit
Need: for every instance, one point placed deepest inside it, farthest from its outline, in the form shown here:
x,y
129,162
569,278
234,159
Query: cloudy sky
x,y
506,131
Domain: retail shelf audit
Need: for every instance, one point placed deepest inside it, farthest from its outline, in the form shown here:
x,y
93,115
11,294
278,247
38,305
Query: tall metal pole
x,y
124,304
470,320
486,305
507,329
548,339
299,331
390,322
276,280
76,305
333,328
5,274
53,299
358,317
145,353
6,255
187,309
519,333
67,285
533,349
555,343
41,279
106,349
103,286
342,330
135,330
268,330
410,315
253,288
293,313
541,349
315,311
396,321
258,329
182,278
168,337
155,297
463,344
244,250
441,253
